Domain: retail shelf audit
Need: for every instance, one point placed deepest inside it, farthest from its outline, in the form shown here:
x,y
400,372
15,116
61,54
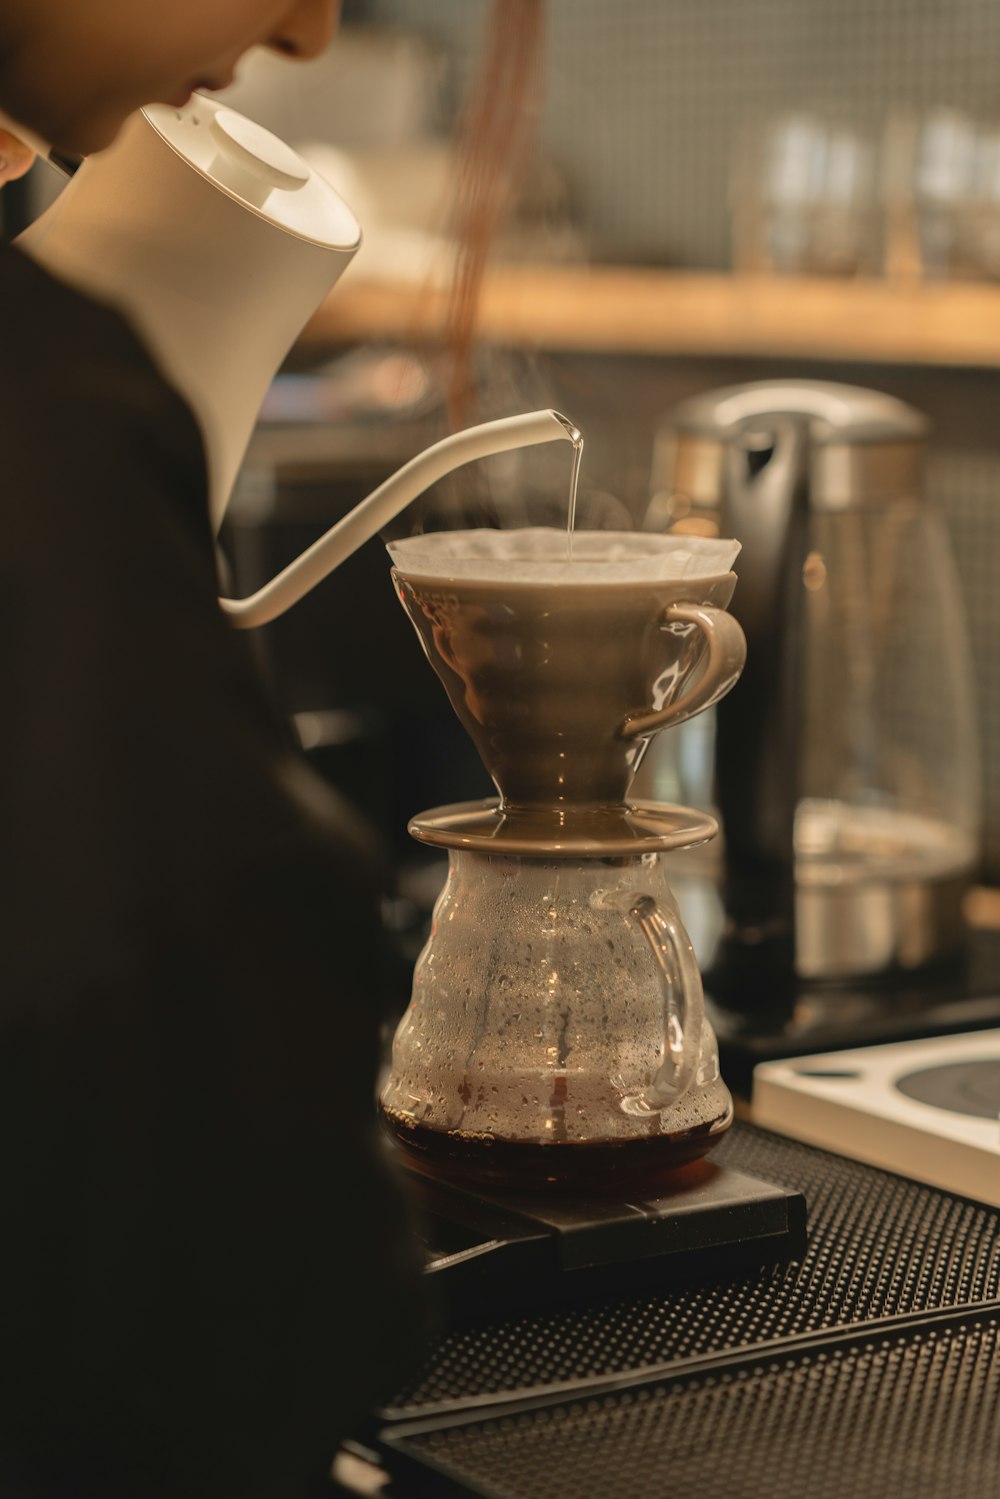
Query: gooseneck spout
x,y
386,502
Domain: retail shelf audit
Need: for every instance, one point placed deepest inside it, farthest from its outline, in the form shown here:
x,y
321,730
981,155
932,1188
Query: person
x,y
15,157
206,1271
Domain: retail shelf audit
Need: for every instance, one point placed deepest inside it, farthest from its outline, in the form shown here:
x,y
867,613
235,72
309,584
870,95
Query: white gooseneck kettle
x,y
218,242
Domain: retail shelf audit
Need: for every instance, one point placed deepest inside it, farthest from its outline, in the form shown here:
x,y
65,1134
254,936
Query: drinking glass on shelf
x,y
804,200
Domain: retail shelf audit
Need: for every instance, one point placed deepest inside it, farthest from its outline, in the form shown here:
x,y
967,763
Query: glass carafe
x,y
557,1017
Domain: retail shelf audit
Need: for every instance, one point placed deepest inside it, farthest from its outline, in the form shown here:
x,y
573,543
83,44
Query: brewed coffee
x,y
603,1168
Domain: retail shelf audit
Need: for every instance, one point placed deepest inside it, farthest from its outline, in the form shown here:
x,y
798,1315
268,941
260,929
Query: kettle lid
x,y
835,413
253,166
859,446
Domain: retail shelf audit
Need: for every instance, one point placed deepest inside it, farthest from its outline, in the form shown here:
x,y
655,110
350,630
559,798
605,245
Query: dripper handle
x,y
727,653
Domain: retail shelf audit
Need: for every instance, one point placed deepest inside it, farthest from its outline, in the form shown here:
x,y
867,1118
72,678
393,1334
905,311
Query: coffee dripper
x,y
556,1033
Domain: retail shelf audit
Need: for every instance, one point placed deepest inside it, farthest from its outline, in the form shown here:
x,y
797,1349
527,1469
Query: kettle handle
x,y
727,652
766,502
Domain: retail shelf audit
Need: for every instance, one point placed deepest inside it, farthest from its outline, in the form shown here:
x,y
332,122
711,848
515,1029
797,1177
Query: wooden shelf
x,y
611,309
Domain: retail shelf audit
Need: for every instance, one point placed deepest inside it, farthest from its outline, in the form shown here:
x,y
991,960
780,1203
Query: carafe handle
x,y
683,1001
727,652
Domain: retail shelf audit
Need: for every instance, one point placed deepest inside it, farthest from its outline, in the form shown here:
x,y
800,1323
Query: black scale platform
x,y
486,1249
870,1362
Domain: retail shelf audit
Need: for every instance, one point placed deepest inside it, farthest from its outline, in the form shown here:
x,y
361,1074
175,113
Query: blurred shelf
x,y
610,309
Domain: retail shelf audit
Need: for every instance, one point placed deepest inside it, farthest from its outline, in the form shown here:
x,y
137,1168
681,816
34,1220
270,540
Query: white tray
x,y
850,1102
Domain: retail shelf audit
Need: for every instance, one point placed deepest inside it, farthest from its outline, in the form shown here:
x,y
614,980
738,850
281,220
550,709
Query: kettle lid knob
x,y
251,161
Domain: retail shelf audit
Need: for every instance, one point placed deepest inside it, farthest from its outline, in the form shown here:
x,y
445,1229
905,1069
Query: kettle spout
x,y
386,502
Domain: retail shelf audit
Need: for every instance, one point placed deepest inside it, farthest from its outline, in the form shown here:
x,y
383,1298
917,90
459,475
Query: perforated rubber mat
x,y
879,1247
917,1416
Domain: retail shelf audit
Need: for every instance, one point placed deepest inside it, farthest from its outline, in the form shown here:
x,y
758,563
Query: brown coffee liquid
x,y
575,1170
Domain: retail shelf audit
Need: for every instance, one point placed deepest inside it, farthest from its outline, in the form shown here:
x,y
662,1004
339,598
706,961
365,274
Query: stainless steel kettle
x,y
846,761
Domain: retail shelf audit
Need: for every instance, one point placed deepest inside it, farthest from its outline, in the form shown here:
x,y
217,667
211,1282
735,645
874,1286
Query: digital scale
x,y
488,1252
927,1109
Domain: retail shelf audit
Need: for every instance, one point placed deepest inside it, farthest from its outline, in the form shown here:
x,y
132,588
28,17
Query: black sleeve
x,y
206,1270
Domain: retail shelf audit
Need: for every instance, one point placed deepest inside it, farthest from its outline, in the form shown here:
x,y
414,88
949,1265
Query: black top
x,y
202,1269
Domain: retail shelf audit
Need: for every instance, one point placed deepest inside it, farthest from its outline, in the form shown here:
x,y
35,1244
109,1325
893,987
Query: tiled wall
x,y
650,101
